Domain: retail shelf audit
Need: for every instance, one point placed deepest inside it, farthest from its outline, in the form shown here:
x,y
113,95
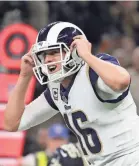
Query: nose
x,y
48,58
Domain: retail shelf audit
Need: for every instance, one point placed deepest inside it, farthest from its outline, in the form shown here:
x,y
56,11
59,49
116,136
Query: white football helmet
x,y
56,36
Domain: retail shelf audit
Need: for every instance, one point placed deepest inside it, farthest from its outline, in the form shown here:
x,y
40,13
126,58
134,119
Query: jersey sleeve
x,y
38,111
66,155
102,91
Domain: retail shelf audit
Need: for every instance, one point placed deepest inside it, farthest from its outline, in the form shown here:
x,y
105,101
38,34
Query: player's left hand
x,y
82,45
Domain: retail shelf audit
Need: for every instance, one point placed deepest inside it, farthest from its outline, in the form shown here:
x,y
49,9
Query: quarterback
x,y
90,91
67,155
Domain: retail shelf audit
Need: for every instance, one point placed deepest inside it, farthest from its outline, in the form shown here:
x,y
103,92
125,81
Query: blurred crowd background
x,y
111,26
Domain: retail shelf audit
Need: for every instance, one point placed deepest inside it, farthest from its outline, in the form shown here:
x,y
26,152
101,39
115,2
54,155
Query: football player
x,y
90,91
67,155
57,135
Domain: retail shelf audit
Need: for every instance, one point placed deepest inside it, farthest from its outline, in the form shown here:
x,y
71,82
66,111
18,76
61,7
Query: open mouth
x,y
52,68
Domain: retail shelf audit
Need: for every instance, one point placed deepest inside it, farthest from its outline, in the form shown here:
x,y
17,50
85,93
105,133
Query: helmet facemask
x,y
69,63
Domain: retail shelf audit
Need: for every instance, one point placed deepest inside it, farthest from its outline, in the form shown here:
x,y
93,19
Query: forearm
x,y
16,104
114,76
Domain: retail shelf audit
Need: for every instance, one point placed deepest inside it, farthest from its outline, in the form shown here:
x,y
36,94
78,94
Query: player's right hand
x,y
27,64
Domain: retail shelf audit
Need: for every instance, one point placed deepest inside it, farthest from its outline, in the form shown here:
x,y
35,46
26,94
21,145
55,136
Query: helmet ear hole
x,y
76,57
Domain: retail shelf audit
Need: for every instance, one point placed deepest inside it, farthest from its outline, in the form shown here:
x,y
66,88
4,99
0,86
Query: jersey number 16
x,y
88,135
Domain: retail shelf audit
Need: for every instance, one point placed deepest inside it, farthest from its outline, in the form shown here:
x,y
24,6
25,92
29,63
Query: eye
x,y
52,52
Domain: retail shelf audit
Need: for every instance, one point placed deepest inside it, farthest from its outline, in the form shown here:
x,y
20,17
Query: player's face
x,y
53,56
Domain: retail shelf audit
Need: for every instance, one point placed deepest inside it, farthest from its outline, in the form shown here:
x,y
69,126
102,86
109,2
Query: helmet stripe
x,y
42,35
57,28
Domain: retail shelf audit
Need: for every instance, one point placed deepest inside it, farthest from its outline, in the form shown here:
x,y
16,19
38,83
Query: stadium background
x,y
111,27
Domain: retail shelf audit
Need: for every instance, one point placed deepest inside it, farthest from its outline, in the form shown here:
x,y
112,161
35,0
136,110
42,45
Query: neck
x,y
65,83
